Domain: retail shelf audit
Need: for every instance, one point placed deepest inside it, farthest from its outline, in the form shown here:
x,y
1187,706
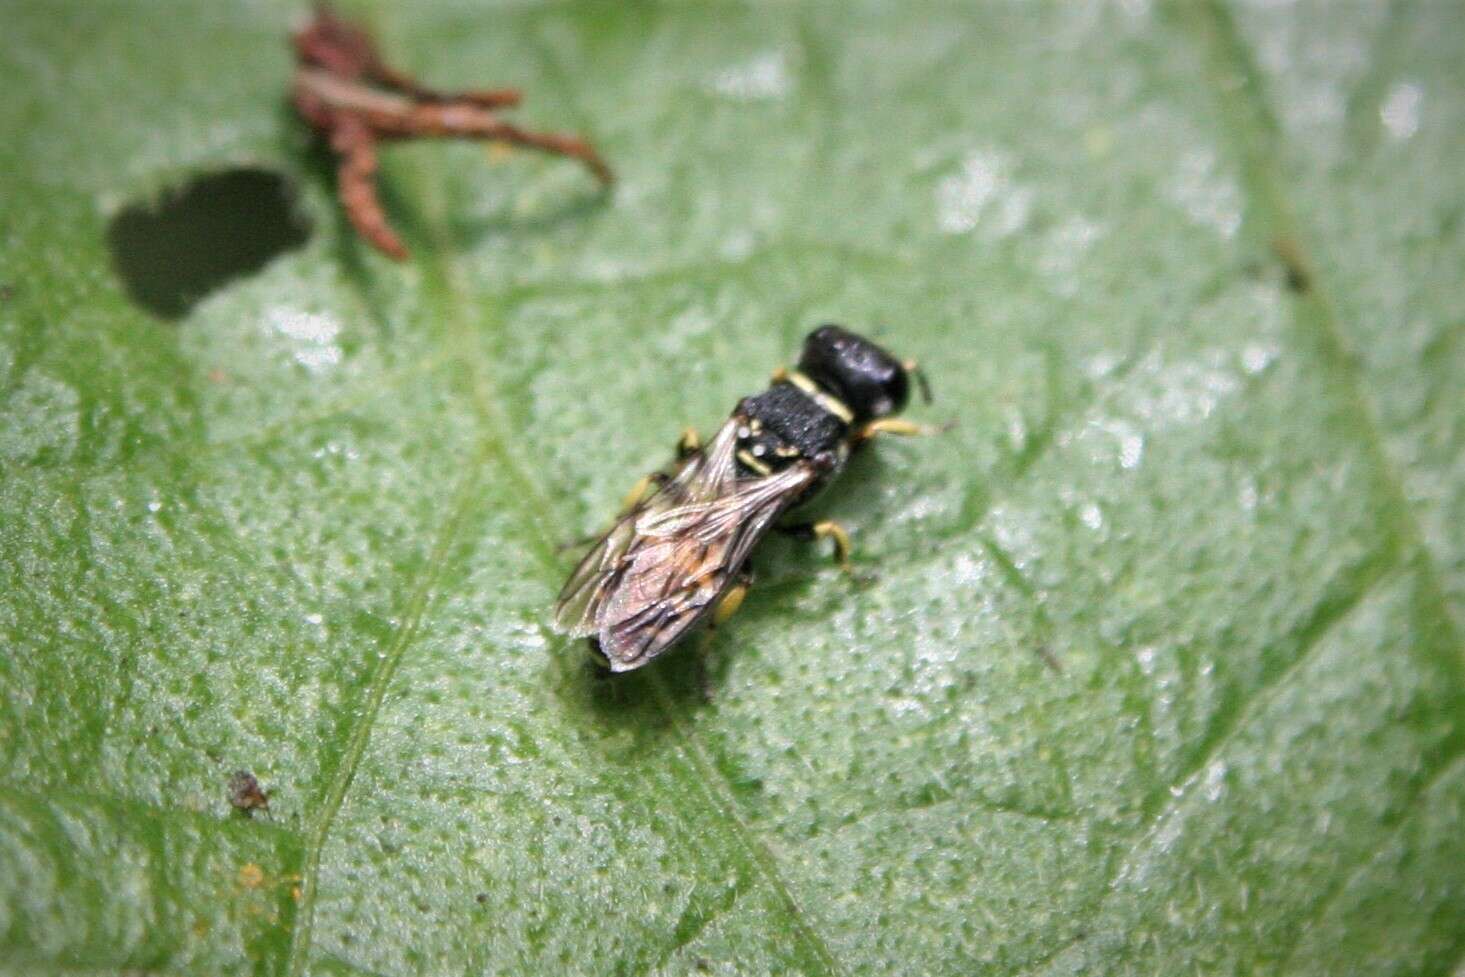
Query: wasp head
x,y
870,381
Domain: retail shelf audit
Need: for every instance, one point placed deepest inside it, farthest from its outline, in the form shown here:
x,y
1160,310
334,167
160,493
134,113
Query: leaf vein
x,y
1328,614
759,854
365,717
1258,136
684,939
1343,883
536,502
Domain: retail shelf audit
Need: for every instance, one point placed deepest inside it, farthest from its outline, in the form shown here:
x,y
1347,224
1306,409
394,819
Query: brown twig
x,y
347,93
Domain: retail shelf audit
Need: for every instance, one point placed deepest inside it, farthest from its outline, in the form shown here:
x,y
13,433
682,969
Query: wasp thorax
x,y
870,381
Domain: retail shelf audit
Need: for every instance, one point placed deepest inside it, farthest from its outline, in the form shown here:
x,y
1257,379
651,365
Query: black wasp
x,y
679,552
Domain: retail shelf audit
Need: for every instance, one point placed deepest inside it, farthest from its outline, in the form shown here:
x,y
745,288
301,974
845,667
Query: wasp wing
x,y
683,561
703,475
663,566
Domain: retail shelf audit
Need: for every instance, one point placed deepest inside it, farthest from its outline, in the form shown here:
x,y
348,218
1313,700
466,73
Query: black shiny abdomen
x,y
870,381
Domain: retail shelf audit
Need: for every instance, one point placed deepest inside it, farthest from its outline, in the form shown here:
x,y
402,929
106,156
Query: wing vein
x,y
661,568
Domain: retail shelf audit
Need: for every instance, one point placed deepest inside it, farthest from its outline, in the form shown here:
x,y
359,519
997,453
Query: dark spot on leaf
x,y
1450,220
481,898
1294,265
246,794
173,251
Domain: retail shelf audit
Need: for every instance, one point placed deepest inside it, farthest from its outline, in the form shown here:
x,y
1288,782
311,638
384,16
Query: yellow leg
x,y
828,529
780,374
639,492
689,443
895,425
729,604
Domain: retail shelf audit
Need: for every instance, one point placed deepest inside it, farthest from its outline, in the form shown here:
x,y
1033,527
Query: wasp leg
x,y
726,607
688,444
730,602
638,492
732,598
894,425
779,375
641,491
826,529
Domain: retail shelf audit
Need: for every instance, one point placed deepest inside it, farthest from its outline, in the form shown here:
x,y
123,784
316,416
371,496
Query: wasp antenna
x,y
914,369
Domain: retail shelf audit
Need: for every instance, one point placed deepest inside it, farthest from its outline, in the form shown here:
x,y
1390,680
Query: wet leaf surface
x,y
1187,281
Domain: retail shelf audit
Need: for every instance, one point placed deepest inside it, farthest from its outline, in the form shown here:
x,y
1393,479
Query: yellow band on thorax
x,y
825,400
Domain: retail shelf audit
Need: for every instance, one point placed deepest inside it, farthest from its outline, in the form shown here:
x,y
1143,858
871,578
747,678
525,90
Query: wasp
x,y
678,554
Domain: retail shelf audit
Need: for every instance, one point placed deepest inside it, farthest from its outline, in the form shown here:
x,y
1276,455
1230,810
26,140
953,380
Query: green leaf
x,y
1186,279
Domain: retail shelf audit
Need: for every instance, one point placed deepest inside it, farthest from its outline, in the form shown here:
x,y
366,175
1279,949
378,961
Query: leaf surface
x,y
1185,278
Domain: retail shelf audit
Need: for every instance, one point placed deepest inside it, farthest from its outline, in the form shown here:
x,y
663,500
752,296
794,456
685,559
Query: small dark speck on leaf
x,y
1294,265
1050,659
246,794
172,252
481,898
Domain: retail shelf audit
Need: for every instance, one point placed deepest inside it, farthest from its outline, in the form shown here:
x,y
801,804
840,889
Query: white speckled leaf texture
x,y
1160,671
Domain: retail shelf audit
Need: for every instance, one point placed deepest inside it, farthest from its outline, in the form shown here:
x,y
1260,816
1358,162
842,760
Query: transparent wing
x,y
662,567
700,477
671,582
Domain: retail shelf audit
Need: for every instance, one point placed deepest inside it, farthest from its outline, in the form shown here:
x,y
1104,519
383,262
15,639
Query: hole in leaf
x,y
173,251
